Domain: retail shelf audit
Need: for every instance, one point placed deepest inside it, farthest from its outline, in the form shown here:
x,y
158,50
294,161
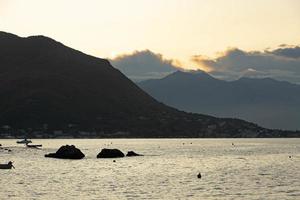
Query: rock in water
x,y
110,153
67,152
132,153
199,175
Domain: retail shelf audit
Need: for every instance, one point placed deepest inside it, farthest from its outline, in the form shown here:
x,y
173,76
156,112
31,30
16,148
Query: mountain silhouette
x,y
267,102
45,82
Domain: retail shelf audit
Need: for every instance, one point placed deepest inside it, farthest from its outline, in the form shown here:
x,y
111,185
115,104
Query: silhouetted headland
x,y
49,90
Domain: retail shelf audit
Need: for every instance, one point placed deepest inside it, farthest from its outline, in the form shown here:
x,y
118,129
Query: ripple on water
x,y
254,168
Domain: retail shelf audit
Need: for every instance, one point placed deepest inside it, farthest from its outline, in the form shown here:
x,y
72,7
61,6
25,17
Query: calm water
x,y
251,169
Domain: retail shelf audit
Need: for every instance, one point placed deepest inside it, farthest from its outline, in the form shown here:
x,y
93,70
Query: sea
x,y
230,169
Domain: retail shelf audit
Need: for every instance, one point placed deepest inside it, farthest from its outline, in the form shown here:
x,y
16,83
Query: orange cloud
x,y
282,63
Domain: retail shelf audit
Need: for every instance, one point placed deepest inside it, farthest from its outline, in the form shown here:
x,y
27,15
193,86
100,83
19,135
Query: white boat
x,y
24,141
9,165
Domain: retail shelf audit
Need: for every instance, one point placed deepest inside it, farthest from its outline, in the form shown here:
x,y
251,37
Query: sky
x,y
178,30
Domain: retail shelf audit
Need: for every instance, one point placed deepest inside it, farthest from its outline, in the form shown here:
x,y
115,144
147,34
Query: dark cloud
x,y
290,52
142,65
282,64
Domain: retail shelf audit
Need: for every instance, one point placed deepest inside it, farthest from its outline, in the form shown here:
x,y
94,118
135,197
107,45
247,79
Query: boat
x,y
34,145
9,165
24,141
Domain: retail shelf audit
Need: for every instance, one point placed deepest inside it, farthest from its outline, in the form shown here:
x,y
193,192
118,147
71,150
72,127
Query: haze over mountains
x,y
267,102
45,82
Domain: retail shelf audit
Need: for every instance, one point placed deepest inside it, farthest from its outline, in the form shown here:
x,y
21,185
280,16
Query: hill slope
x,y
45,82
267,102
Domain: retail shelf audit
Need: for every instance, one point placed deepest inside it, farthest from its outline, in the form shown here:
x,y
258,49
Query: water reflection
x,y
249,169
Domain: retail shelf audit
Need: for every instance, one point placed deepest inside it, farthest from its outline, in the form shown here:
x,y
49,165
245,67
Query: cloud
x,y
290,52
282,64
143,65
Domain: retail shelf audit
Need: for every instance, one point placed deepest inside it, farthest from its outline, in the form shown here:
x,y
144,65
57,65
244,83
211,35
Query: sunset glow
x,y
175,28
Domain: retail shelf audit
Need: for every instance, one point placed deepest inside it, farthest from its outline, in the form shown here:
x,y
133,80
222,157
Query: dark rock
x,y
199,175
132,153
67,152
110,153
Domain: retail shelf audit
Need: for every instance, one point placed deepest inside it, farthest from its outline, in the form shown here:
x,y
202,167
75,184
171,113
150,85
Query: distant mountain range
x,y
48,87
267,102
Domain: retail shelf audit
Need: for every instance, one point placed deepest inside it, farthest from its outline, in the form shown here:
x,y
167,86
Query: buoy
x,y
199,175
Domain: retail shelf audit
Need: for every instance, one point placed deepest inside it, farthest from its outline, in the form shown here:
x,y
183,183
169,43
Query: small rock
x,y
199,175
110,153
132,153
